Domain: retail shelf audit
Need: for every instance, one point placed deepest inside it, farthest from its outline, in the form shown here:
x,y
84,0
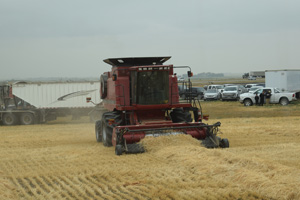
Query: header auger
x,y
142,99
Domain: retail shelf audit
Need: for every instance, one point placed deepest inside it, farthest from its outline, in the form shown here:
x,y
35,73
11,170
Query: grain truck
x,y
30,103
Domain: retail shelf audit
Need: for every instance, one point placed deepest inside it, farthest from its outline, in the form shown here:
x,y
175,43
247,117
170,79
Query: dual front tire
x,y
103,133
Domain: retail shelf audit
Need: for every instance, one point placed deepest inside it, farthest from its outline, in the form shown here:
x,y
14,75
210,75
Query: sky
x,y
71,38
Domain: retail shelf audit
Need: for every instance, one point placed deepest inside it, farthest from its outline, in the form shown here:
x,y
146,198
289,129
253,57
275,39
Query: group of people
x,y
260,100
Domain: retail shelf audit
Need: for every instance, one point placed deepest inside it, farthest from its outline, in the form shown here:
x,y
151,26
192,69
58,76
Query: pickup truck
x,y
194,92
284,98
233,92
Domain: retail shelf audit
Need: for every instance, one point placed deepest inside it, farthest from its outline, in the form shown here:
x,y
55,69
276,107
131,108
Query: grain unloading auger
x,y
142,99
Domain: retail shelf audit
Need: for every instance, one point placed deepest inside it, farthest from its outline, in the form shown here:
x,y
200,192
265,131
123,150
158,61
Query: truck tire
x,y
103,90
248,102
9,119
284,101
98,130
27,119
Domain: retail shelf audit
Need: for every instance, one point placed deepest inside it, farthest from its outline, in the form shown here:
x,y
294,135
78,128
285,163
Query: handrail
x,y
123,94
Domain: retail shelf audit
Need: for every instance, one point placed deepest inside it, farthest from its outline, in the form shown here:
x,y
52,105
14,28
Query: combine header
x,y
142,99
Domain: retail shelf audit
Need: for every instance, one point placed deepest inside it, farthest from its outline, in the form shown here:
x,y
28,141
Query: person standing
x,y
256,99
262,98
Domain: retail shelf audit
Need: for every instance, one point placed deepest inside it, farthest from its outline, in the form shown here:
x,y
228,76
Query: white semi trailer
x,y
284,80
257,74
30,103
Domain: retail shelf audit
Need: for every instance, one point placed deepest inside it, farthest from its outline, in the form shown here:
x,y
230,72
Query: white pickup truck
x,y
284,98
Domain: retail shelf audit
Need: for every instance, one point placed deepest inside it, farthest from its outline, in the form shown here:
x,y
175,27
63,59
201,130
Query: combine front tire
x,y
98,130
106,135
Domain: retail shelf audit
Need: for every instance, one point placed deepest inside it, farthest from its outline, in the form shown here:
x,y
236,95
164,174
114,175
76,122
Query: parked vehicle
x,y
29,103
181,89
227,84
251,78
245,75
195,92
248,86
257,74
261,84
284,98
212,94
254,88
180,79
217,87
233,92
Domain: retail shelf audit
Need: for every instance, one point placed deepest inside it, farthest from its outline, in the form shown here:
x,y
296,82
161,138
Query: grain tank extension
x,y
141,96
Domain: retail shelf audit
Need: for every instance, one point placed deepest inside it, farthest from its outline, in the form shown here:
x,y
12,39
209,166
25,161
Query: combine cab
x,y
141,96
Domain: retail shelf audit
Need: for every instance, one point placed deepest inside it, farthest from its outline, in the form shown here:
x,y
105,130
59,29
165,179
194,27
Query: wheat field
x,y
62,160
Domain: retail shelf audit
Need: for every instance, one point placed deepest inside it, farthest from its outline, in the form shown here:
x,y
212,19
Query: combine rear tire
x,y
224,143
106,135
119,150
27,118
98,130
9,119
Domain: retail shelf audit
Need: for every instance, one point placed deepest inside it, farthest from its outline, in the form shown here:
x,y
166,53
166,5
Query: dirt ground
x,y
64,161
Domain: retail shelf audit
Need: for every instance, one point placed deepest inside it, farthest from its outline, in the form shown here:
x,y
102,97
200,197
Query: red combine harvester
x,y
142,99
